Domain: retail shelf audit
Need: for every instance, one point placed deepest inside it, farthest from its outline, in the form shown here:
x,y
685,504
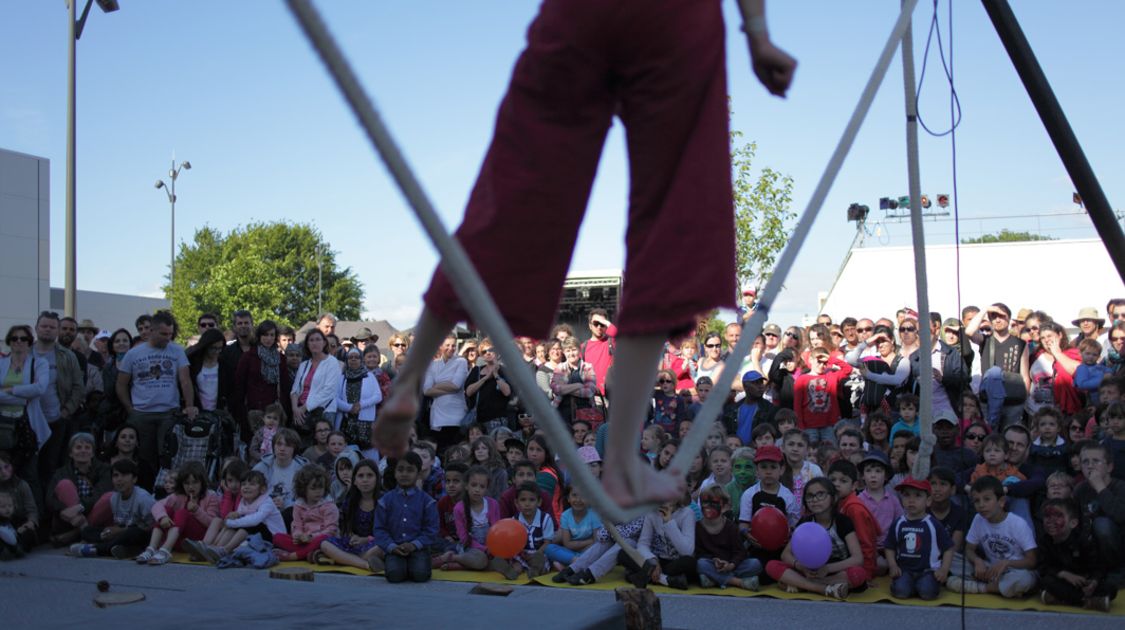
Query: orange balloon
x,y
506,538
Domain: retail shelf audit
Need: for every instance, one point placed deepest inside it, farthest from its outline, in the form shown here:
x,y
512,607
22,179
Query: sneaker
x,y
83,550
561,576
582,578
641,578
192,549
679,582
706,582
1100,604
837,591
375,564
212,553
967,586
751,583
162,556
1047,598
145,556
505,568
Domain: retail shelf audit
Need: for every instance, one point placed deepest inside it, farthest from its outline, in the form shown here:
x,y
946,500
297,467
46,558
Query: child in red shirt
x,y
843,474
815,396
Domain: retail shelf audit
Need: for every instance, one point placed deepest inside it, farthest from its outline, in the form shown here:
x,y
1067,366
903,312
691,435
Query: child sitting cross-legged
x,y
523,471
918,549
315,516
256,514
843,475
406,523
844,570
473,515
575,534
668,545
132,518
768,490
721,558
1000,546
1072,567
540,529
354,545
744,474
185,513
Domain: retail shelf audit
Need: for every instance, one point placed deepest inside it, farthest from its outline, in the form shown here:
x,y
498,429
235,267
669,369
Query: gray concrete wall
x,y
25,223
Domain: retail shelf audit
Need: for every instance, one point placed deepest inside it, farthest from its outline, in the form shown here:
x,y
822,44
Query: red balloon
x,y
770,528
506,538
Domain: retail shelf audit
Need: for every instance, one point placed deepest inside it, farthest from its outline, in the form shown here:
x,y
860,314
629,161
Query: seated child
x,y
1000,546
1072,568
1114,440
132,518
721,560
575,534
843,475
1089,375
322,428
230,487
907,405
844,569
10,548
905,467
994,454
600,557
651,438
514,451
718,459
406,523
186,513
267,422
667,543
448,540
25,511
764,434
342,474
540,529
279,468
883,505
593,459
430,476
483,453
335,445
1048,451
797,470
918,549
768,490
354,545
1060,485
256,514
827,454
522,472
786,420
733,442
474,514
744,474
851,445
315,516
954,518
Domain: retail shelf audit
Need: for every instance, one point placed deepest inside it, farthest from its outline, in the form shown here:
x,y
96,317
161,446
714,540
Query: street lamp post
x,y
75,26
170,190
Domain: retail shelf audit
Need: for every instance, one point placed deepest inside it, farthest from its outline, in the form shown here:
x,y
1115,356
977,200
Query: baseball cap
x,y
102,334
945,416
878,457
752,376
772,329
917,484
768,453
589,454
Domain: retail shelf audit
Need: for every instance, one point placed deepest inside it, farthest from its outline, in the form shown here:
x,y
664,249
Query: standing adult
x,y
316,384
1005,379
242,326
203,362
574,382
88,331
111,413
444,383
598,349
356,400
1090,325
884,373
147,381
24,379
207,321
487,389
65,391
1051,371
257,382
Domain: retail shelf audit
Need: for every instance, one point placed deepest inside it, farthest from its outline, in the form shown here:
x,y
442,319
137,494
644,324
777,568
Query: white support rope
x,y
475,297
693,442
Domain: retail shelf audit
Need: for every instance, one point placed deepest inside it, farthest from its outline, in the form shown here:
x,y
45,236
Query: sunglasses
x,y
20,338
769,334
524,416
598,324
792,335
907,329
712,345
206,324
665,381
1117,338
866,329
976,437
1119,316
1000,316
398,345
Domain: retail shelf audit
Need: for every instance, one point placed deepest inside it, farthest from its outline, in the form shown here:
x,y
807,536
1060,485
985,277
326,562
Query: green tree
x,y
269,269
762,214
1007,236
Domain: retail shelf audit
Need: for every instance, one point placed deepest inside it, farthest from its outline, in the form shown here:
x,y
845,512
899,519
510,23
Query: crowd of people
x,y
252,446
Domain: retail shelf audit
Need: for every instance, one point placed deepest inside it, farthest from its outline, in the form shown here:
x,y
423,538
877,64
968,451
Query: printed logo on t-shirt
x,y
818,395
1000,547
912,543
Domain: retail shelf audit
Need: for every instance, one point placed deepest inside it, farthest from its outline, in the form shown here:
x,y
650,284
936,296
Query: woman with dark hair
x,y
257,381
203,366
23,380
1051,368
111,413
782,377
885,373
1115,354
316,384
124,446
711,365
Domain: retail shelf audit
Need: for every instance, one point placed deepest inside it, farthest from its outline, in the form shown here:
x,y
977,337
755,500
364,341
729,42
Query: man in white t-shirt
x,y
149,381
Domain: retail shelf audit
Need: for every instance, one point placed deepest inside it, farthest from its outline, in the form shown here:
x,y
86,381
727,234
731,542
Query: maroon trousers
x,y
661,68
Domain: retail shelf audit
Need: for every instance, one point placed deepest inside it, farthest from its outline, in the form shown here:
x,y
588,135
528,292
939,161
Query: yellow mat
x,y
616,578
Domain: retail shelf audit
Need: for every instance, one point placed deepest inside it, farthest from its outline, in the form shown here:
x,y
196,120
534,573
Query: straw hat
x,y
1088,313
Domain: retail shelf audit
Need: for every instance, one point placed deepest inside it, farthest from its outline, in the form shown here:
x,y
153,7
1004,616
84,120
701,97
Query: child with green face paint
x,y
745,475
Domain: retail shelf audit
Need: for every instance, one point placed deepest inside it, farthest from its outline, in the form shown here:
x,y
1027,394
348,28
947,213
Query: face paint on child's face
x,y
527,503
365,479
314,493
1057,523
843,484
720,464
336,445
454,483
477,488
711,509
745,472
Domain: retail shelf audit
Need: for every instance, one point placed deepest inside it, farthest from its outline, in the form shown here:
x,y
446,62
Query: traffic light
x,y
904,202
943,200
925,201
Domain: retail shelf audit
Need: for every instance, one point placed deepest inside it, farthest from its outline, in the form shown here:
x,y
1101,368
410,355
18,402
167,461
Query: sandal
x,y
837,591
789,588
145,556
162,556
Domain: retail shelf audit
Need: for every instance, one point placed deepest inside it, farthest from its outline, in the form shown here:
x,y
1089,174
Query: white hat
x,y
102,334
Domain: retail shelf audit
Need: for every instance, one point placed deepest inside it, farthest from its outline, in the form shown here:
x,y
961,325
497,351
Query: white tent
x,y
1057,277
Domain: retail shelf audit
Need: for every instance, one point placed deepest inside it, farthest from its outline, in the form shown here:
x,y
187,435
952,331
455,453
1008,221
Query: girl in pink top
x,y
315,516
184,514
473,517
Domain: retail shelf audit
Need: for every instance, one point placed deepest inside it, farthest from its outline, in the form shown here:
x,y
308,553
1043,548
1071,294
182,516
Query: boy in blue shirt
x,y
918,549
907,415
406,524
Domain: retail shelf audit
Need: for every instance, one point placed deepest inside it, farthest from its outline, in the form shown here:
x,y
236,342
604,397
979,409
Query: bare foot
x,y
391,433
637,484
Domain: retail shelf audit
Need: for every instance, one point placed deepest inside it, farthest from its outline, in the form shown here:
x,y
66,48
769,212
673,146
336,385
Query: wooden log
x,y
485,588
642,608
102,600
298,574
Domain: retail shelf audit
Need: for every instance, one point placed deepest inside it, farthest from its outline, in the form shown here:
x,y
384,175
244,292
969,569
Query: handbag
x,y
470,417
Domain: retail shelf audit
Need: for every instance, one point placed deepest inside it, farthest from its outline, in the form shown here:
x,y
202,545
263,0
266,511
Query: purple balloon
x,y
812,545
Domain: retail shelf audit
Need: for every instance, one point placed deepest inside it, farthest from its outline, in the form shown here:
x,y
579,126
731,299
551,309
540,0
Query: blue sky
x,y
234,88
